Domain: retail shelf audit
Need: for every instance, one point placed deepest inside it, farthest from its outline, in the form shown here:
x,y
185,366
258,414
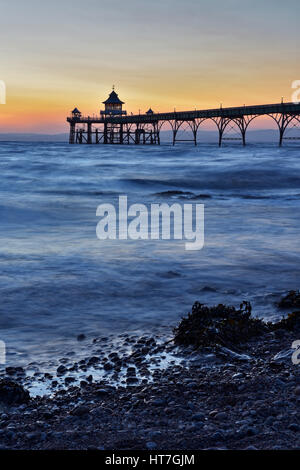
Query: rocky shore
x,y
158,393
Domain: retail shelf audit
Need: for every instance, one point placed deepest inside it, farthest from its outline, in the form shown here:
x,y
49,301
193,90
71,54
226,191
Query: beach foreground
x,y
160,396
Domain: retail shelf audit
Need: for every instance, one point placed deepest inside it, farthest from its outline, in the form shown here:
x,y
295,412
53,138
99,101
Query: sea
x,y
58,280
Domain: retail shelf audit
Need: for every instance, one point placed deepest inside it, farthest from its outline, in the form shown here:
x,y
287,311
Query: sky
x,y
182,54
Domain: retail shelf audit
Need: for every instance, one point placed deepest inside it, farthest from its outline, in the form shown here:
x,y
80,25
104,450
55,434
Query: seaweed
x,y
291,300
290,323
12,393
226,326
221,324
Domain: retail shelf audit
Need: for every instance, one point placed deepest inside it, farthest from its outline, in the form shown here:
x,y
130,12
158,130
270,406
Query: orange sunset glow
x,y
165,57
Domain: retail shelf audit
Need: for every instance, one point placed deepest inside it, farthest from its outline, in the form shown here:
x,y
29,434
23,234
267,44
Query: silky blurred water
x,y
58,280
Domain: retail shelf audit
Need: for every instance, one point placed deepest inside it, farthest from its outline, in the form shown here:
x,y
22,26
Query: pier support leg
x,y
220,137
281,134
244,138
105,136
195,137
89,133
158,135
243,124
137,135
282,120
221,123
72,133
175,127
174,136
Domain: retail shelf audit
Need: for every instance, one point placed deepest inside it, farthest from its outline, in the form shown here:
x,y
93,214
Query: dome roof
x,y
150,111
76,111
113,99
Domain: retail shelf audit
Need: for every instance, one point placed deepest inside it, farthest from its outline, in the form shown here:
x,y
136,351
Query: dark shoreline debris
x,y
291,300
226,326
232,398
12,393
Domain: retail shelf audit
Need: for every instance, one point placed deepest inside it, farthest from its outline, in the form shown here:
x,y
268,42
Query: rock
x,y
155,434
80,410
131,371
132,380
284,355
14,370
93,360
158,402
238,375
61,370
81,337
69,380
151,445
291,300
12,393
198,417
101,392
269,421
221,416
251,431
297,390
232,355
294,427
218,436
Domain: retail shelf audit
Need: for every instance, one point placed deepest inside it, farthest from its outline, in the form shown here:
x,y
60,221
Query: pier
x,y
114,126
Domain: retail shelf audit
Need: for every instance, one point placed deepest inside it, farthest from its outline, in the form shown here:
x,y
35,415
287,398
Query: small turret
x,y
76,113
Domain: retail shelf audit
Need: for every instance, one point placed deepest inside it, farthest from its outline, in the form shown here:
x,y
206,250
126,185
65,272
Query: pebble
x,y
151,445
80,410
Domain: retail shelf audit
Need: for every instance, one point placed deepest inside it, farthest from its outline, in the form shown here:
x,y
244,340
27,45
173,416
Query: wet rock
x,y
151,445
198,417
221,416
132,380
290,323
102,392
93,360
294,427
228,354
80,410
61,370
291,300
285,355
69,380
14,370
131,371
158,402
12,393
81,337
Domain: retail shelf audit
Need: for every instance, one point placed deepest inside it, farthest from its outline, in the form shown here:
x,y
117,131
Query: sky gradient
x,y
161,53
